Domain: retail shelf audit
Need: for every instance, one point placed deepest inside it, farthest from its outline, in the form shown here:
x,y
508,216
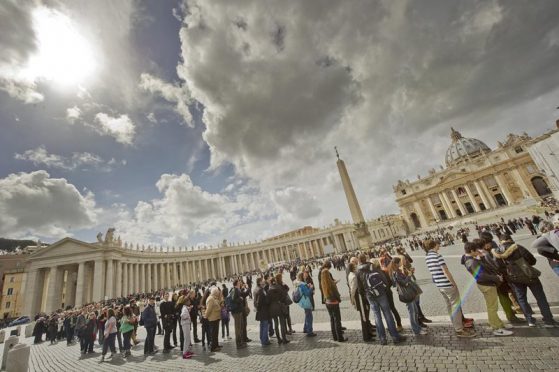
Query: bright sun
x,y
63,55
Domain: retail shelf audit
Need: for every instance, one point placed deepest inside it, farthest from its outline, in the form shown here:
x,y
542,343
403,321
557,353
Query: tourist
x,y
204,320
305,303
127,322
185,322
237,309
487,282
504,291
307,276
213,315
402,279
522,275
548,243
109,334
361,303
158,314
278,309
195,305
332,299
377,285
225,318
149,320
90,331
288,302
167,319
407,260
262,308
80,328
384,260
446,285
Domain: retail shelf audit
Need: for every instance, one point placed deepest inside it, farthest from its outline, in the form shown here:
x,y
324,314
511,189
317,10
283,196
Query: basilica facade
x,y
474,180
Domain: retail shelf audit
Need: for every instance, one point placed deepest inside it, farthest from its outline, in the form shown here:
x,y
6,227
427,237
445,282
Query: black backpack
x,y
374,284
519,271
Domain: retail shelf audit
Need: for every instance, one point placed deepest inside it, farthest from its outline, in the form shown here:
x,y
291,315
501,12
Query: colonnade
x,y
110,272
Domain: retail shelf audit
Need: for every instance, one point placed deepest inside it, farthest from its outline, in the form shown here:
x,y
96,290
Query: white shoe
x,y
423,332
502,332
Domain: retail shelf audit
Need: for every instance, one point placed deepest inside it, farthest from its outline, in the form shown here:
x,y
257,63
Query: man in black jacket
x,y
361,302
262,307
517,257
167,309
149,320
237,311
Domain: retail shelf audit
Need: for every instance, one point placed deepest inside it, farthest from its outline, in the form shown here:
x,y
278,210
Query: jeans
x,y
150,338
537,290
453,306
109,342
119,339
381,304
414,317
264,339
335,321
492,303
307,328
126,340
390,297
224,326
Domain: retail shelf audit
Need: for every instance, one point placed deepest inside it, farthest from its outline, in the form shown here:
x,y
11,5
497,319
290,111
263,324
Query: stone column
x,y
98,280
432,207
125,279
33,292
526,190
449,204
80,284
459,203
137,277
472,198
109,284
503,188
142,274
149,281
118,279
168,276
489,194
131,284
422,219
482,195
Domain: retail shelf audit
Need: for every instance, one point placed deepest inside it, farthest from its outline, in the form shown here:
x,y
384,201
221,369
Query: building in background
x,y
476,180
546,156
11,302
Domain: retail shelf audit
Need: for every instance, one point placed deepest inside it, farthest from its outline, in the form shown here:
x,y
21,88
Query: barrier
x,y
18,358
10,342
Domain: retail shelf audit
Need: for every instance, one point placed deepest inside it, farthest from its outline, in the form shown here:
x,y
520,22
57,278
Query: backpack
x,y
374,285
230,303
519,271
297,295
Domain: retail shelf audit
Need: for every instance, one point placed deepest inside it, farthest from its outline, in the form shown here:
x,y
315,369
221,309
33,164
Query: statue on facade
x,y
100,237
118,241
109,236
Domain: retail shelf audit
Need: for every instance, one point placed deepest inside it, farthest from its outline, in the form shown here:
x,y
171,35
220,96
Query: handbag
x,y
406,293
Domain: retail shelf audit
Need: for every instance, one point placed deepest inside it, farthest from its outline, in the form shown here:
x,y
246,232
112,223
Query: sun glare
x,y
63,55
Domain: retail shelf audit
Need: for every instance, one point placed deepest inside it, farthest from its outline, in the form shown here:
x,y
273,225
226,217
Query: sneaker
x,y
423,332
465,334
502,332
531,323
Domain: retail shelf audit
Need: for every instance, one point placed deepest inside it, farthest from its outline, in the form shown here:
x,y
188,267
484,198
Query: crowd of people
x,y
502,270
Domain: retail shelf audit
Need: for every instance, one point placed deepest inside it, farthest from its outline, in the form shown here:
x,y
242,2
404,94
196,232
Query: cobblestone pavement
x,y
529,349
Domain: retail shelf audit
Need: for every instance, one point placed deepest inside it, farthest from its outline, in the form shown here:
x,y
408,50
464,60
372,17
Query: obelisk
x,y
361,229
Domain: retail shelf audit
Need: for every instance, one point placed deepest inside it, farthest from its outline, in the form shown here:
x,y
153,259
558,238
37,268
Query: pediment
x,y
450,177
65,247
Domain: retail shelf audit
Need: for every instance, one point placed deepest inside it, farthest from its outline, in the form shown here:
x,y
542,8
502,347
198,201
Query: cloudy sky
x,y
189,122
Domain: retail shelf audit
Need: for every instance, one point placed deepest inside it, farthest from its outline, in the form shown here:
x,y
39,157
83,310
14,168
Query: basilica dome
x,y
463,148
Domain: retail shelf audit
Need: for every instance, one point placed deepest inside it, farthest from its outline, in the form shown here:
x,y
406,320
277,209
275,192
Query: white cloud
x,y
119,127
297,202
281,83
171,93
151,118
78,160
73,114
36,204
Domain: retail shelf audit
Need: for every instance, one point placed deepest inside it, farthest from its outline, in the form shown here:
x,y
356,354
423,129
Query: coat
x,y
329,287
261,304
276,297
